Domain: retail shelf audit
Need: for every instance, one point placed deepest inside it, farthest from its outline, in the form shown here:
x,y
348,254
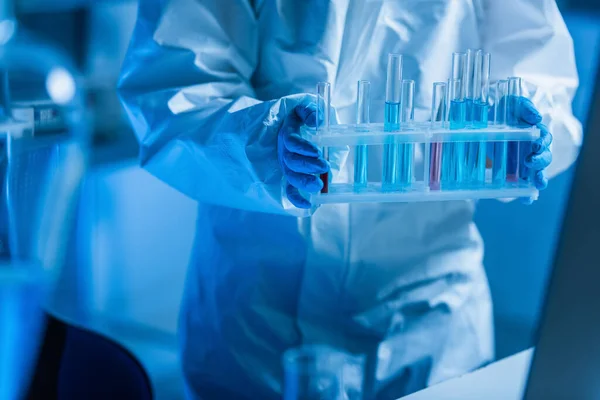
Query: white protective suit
x,y
206,86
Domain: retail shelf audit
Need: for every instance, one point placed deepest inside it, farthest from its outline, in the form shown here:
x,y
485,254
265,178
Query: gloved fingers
x,y
539,161
296,198
297,144
305,165
307,113
305,182
544,142
540,180
527,112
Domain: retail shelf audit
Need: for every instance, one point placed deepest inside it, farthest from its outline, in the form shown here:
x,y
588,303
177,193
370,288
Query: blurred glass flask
x,y
43,158
314,373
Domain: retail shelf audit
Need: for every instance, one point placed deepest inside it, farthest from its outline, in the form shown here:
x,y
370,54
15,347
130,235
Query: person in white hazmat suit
x,y
216,91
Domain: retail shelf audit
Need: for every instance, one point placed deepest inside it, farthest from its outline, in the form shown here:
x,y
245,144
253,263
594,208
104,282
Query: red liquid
x,y
435,168
325,179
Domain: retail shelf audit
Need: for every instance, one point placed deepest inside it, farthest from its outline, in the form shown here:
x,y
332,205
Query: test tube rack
x,y
423,136
458,154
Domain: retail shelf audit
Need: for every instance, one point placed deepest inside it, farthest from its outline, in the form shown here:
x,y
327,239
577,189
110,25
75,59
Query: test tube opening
x,y
323,106
459,67
470,71
438,104
500,102
514,92
394,78
363,102
407,106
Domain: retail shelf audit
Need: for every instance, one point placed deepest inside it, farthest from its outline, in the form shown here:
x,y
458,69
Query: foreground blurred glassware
x,y
43,143
314,373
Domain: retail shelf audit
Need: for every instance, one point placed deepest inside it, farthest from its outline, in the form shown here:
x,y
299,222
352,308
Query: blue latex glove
x,y
541,156
300,160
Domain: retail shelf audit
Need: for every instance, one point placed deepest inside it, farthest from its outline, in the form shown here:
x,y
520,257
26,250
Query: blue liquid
x,y
21,322
454,158
499,163
391,151
406,164
475,166
480,114
360,167
469,111
448,177
457,114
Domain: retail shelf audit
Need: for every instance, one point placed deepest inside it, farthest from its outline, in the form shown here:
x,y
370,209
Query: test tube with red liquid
x,y
323,110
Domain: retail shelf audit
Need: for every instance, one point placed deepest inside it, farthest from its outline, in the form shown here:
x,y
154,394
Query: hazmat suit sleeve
x,y
528,38
185,85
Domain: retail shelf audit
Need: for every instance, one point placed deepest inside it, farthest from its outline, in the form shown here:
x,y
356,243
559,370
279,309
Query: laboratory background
x,y
128,253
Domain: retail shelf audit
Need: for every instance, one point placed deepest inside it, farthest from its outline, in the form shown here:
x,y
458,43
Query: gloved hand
x,y
300,160
540,156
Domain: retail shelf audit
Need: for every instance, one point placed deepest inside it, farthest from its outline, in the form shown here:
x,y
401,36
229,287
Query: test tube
x,y
481,88
391,150
512,163
500,148
453,159
438,118
407,116
363,102
456,91
468,84
481,84
323,110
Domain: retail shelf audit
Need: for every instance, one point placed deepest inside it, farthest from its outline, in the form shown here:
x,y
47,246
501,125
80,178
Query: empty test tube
x,y
500,148
391,150
363,102
512,162
407,110
323,110
438,118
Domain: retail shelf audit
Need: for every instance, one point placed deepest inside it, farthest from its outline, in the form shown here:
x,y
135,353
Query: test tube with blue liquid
x,y
438,119
499,157
363,101
407,116
480,108
458,107
453,154
468,88
323,110
512,119
391,150
481,85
